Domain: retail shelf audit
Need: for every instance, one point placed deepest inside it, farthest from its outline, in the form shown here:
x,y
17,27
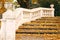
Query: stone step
x,y
40,35
39,27
32,30
38,32
45,21
37,36
37,23
47,27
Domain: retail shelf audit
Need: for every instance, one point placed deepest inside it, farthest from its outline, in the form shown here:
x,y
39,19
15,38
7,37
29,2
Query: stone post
x,y
10,23
52,7
3,30
10,29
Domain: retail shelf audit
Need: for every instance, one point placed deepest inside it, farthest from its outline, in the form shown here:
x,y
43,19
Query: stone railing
x,y
26,15
13,19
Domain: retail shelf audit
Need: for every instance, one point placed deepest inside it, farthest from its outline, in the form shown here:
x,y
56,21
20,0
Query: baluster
x,y
38,13
35,14
22,15
44,14
47,13
41,13
52,12
31,15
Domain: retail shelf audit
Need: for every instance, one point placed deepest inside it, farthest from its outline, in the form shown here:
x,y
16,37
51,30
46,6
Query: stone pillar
x,y
10,25
10,29
52,7
3,29
7,31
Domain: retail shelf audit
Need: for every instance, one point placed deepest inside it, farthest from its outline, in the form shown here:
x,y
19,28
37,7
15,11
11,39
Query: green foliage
x,y
16,4
43,3
46,3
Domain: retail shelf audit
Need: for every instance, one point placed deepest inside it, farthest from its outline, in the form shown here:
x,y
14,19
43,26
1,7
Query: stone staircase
x,y
46,28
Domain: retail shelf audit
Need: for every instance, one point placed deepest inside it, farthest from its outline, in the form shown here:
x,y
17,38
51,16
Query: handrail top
x,y
34,9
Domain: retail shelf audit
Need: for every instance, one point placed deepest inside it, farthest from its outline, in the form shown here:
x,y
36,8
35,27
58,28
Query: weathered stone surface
x,y
47,28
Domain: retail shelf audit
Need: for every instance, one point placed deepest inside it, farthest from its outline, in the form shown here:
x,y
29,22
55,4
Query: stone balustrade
x,y
13,19
27,15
